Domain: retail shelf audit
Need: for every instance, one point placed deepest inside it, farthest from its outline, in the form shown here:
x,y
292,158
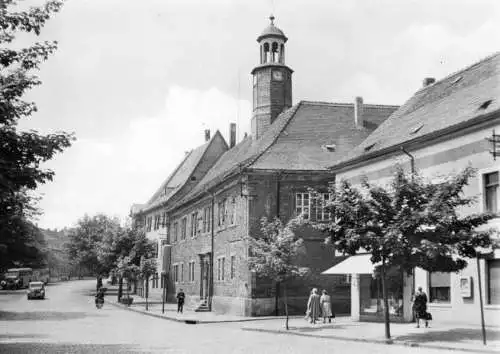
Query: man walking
x,y
180,301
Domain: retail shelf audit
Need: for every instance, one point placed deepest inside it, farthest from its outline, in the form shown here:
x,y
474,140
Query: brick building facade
x,y
215,200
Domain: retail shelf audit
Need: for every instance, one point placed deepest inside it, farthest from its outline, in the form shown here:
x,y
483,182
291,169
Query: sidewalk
x,y
438,336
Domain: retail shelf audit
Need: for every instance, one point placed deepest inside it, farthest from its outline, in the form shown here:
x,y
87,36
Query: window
x,y
162,281
191,271
176,231
220,268
439,287
493,267
176,273
157,221
183,228
233,266
222,212
149,221
182,272
302,205
207,219
322,213
194,224
232,217
164,220
491,192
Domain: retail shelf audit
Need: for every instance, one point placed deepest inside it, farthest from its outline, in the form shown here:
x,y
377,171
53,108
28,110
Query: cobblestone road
x,y
68,322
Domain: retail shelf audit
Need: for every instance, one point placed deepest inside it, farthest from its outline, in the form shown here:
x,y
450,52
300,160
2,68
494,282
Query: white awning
x,y
358,264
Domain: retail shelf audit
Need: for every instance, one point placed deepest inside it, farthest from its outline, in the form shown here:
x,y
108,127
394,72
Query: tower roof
x,y
272,31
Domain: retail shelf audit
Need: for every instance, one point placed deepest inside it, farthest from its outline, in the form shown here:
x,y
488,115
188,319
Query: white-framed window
x,y
222,212
221,261
175,231
191,271
232,210
491,193
175,273
194,223
303,205
439,287
322,201
207,219
183,228
233,266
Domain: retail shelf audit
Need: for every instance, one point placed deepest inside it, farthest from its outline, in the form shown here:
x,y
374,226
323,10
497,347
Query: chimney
x,y
428,81
358,112
207,135
232,135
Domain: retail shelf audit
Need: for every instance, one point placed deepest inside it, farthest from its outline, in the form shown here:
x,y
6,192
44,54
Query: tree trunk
x,y
147,292
120,288
277,297
386,302
286,305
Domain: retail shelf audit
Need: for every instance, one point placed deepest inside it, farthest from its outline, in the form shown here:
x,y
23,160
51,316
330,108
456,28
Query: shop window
x,y
493,267
439,287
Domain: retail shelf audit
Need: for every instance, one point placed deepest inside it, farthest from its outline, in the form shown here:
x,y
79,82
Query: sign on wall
x,y
466,286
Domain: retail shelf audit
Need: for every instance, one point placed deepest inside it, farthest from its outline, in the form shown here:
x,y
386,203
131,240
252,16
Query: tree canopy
x,y
22,153
410,223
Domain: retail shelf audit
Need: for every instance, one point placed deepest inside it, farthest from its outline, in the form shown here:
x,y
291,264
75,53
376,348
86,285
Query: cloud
x,y
108,176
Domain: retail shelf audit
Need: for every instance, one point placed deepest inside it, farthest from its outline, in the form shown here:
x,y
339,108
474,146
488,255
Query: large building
x,y
446,126
217,196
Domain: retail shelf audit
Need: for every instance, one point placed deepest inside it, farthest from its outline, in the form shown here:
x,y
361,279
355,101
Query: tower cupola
x,y
272,80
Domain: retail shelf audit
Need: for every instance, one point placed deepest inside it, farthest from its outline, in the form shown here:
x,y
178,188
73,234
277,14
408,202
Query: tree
x,y
22,152
126,270
146,269
86,247
410,223
274,255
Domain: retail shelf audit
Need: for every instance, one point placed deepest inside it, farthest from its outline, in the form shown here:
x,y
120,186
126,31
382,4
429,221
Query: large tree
x,y
22,153
274,255
410,223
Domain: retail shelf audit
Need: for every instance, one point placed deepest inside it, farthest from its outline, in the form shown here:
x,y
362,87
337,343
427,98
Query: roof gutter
x,y
477,122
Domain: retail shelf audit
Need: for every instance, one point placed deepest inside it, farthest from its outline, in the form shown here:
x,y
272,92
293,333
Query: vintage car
x,y
36,290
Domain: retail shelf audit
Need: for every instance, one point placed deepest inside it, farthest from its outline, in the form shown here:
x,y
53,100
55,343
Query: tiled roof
x,y
296,141
177,178
450,102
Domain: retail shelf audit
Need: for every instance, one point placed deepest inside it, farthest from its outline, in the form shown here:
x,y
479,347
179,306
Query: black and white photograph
x,y
236,176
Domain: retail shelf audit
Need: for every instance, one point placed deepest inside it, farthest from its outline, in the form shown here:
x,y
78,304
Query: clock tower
x,y
272,80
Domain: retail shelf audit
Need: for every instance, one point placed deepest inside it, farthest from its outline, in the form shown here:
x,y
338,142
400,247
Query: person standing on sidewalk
x,y
420,307
313,306
180,301
326,307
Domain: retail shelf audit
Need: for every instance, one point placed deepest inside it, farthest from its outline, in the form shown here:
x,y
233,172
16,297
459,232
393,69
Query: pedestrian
x,y
313,306
99,283
180,301
326,306
420,307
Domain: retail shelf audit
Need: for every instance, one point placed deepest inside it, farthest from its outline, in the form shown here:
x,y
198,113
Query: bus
x,y
18,277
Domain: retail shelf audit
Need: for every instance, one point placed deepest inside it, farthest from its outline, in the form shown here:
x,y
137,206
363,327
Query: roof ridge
x,y
344,104
477,63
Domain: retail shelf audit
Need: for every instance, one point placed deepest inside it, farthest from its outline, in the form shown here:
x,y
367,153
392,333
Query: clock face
x,y
277,75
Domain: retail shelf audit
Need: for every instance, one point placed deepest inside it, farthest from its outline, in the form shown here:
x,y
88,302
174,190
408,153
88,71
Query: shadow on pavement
x,y
21,335
43,316
318,328
452,335
60,348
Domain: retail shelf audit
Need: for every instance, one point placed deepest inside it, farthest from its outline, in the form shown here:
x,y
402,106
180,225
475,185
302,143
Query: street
x,y
68,322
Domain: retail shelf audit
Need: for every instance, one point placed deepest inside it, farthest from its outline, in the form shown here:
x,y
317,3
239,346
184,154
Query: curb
x,y
376,341
191,320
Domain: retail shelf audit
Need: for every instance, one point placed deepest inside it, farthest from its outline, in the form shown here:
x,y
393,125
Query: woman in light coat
x,y
326,306
313,306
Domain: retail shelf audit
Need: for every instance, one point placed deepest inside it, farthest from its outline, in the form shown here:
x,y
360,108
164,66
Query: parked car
x,y
36,290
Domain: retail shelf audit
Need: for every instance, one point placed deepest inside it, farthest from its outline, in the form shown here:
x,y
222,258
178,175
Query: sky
x,y
138,82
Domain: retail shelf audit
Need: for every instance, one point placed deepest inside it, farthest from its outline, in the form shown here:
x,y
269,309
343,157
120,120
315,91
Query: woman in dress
x,y
313,306
326,307
420,306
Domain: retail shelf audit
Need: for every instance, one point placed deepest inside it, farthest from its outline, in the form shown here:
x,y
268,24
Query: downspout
x,y
212,255
412,160
412,164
